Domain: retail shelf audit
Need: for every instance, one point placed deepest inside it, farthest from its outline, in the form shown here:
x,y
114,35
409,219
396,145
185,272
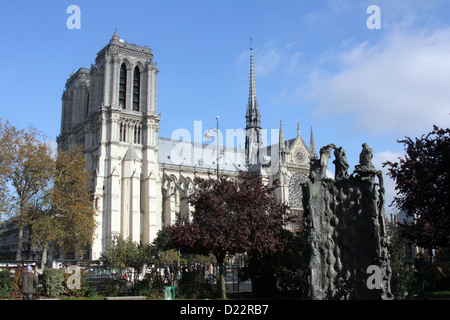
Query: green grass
x,y
438,294
82,298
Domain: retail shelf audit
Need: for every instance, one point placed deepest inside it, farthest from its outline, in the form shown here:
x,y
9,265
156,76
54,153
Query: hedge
x,y
5,284
53,282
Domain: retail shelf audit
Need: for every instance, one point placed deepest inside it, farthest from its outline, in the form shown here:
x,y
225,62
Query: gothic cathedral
x,y
140,182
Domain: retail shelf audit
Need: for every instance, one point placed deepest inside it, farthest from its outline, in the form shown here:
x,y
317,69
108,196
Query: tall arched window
x,y
136,88
123,85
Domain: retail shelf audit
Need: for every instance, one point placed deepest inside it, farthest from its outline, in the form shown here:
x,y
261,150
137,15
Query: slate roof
x,y
200,155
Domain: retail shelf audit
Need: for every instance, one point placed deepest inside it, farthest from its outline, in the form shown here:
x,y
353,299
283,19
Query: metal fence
x,y
121,281
105,279
234,277
234,280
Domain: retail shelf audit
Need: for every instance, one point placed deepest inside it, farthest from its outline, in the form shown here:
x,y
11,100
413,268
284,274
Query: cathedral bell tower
x,y
129,142
253,141
111,110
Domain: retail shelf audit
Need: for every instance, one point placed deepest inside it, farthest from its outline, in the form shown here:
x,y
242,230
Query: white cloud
x,y
400,85
271,58
381,157
268,60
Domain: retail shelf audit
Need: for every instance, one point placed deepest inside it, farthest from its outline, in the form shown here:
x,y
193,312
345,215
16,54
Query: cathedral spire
x,y
253,116
281,138
253,142
312,146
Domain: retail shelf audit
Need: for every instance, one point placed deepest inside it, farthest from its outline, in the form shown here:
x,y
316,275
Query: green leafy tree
x,y
125,253
26,172
52,198
402,277
163,240
8,136
71,221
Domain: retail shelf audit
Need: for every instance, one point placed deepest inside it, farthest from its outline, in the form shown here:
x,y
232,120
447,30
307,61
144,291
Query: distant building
x,y
8,246
8,243
140,180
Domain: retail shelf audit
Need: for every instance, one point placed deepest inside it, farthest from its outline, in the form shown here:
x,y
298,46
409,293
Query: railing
x,y
234,281
100,278
105,280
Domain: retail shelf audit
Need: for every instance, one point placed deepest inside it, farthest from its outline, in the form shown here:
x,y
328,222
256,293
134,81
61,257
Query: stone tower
x,y
111,110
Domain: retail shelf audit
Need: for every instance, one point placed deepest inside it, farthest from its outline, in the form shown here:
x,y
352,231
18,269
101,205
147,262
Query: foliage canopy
x,y
423,183
232,216
51,197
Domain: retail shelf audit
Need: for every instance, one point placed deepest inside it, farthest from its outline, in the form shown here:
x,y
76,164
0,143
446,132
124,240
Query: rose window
x,y
301,156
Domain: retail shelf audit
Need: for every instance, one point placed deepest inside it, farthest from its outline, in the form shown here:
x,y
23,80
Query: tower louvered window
x,y
123,133
137,134
136,88
123,85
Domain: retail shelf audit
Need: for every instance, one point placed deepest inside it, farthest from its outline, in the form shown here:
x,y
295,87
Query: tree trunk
x,y
431,255
19,243
28,250
221,283
44,257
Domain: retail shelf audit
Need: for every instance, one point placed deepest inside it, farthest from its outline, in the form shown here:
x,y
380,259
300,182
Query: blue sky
x,y
316,62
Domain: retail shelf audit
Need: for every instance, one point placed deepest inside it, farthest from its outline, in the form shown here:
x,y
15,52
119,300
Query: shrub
x,y
404,282
5,284
53,282
86,290
151,286
192,286
289,280
111,287
438,277
16,291
143,288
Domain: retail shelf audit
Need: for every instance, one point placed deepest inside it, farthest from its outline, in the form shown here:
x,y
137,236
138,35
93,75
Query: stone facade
x,y
140,184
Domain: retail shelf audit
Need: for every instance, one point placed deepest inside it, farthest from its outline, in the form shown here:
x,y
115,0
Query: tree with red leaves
x,y
232,216
423,186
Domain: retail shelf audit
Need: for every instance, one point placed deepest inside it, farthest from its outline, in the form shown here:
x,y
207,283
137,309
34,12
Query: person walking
x,y
28,283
